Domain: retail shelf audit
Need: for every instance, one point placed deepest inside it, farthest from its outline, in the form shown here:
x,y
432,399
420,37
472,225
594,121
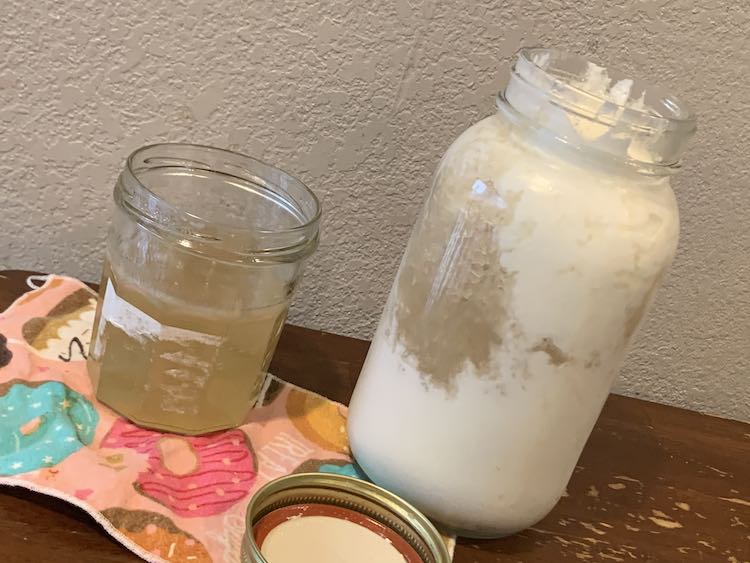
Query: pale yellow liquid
x,y
184,385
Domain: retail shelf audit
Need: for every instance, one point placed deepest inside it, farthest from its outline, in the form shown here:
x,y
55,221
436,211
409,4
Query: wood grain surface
x,y
655,483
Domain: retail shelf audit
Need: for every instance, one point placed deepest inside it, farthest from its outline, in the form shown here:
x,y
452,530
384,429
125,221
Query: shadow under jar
x,y
204,251
548,229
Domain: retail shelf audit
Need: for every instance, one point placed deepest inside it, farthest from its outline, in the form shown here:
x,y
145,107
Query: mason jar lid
x,y
300,496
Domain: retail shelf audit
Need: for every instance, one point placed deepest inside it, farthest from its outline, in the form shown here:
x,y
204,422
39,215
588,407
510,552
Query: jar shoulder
x,y
492,160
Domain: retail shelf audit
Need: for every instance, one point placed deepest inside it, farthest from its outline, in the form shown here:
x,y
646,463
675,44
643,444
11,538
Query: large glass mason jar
x,y
549,227
203,254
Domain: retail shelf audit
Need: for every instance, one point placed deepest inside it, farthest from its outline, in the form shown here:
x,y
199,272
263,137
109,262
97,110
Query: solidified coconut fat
x,y
598,103
324,539
522,284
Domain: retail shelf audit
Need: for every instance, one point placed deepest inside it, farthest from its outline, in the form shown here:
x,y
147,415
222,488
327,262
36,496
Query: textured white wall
x,y
359,99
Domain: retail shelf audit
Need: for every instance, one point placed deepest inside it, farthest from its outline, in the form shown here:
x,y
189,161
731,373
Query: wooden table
x,y
655,483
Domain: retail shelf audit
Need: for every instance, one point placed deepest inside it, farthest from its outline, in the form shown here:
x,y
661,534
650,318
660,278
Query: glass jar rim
x,y
552,88
681,114
157,213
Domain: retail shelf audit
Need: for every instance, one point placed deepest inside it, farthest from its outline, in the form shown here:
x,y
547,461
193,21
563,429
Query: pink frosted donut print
x,y
191,475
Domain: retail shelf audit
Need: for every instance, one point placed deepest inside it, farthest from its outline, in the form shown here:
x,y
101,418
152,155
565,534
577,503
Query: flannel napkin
x,y
165,497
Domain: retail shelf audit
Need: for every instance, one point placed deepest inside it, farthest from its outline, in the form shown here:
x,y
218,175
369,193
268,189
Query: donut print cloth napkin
x,y
163,496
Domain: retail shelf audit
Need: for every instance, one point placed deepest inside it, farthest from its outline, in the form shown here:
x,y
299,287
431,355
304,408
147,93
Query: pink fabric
x,y
221,472
166,497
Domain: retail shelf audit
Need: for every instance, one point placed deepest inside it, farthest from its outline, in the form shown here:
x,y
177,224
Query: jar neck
x,y
597,111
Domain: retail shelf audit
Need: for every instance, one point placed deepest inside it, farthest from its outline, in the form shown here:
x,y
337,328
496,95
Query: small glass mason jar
x,y
204,251
548,229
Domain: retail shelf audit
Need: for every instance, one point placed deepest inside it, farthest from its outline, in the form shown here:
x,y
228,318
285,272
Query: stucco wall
x,y
360,99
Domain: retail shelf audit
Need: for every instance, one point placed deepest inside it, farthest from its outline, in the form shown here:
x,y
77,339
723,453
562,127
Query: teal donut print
x,y
337,466
42,424
347,469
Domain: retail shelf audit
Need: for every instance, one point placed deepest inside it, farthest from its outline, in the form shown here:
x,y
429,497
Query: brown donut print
x,y
76,312
157,534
